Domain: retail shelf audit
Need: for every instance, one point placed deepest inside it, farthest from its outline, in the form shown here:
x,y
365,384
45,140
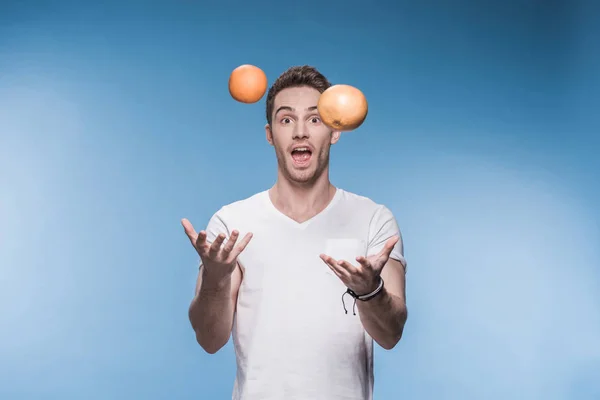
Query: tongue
x,y
301,156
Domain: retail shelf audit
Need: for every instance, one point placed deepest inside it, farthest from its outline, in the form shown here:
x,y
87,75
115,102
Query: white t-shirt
x,y
292,337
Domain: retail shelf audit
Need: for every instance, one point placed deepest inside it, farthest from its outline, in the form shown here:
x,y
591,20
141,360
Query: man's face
x,y
300,139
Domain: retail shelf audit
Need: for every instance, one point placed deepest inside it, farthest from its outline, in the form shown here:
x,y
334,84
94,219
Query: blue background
x,y
482,138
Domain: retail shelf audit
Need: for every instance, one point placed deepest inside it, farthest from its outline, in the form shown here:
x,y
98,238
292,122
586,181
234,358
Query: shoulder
x,y
363,203
235,215
382,225
375,214
242,207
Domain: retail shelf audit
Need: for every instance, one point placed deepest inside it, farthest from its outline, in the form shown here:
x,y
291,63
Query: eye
x,y
285,120
315,120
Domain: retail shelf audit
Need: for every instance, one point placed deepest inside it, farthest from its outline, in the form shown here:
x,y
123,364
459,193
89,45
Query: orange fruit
x,y
343,107
247,84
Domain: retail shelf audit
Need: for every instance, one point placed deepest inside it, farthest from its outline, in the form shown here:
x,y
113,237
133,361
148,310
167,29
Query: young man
x,y
304,244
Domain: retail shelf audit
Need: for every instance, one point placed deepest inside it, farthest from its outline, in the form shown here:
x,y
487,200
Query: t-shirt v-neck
x,y
300,225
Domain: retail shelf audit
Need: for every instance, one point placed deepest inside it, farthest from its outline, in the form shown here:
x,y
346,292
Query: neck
x,y
302,201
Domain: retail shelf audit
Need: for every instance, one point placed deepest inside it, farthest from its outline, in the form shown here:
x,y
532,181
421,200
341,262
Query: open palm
x,y
216,258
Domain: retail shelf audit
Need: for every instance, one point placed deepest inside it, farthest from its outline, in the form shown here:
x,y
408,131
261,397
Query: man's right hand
x,y
219,261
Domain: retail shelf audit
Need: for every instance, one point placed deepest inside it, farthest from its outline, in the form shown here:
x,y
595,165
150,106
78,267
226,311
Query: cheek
x,y
279,147
277,142
324,145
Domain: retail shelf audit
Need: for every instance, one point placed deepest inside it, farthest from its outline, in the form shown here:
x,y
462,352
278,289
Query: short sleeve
x,y
216,225
384,226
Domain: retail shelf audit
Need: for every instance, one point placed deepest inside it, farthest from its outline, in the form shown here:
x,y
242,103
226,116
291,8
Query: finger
x,y
384,255
242,245
350,269
337,272
327,259
216,245
364,262
189,230
389,246
333,264
230,243
200,242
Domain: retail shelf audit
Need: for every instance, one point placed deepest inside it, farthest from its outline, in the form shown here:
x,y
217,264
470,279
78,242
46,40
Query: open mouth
x,y
301,155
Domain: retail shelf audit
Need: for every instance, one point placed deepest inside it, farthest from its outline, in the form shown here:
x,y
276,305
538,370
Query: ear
x,y
335,136
269,134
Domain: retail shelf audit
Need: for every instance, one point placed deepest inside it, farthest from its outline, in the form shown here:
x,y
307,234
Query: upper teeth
x,y
301,149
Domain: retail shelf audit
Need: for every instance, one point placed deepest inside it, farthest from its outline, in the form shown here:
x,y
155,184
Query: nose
x,y
301,131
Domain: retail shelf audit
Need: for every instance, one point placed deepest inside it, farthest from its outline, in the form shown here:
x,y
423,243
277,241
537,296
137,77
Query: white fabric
x,y
291,336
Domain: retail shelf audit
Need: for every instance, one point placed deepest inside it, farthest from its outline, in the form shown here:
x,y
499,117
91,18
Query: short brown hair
x,y
296,76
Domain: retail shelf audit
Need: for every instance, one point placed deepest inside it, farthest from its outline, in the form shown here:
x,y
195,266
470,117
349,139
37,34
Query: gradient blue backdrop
x,y
482,138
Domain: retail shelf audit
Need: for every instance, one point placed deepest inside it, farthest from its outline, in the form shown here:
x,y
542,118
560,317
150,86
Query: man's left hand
x,y
362,278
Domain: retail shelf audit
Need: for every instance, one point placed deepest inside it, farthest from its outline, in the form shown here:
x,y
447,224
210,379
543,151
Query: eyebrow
x,y
288,108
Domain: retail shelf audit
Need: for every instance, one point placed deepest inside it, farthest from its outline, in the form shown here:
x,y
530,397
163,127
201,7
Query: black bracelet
x,y
362,297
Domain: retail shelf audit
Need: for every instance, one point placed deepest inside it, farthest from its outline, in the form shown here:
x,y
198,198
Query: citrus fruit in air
x,y
247,83
342,107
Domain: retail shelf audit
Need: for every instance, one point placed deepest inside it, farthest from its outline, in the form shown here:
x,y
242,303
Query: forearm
x,y
383,317
211,315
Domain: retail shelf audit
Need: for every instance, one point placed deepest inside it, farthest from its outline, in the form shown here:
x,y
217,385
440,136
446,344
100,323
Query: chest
x,y
285,279
283,257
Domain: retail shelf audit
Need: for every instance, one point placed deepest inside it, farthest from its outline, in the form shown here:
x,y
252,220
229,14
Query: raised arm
x,y
384,315
212,308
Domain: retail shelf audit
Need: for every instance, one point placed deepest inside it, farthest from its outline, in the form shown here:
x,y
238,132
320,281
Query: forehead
x,y
297,98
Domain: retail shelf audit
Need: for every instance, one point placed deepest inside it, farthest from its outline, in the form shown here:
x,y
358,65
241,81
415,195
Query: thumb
x,y
189,230
389,246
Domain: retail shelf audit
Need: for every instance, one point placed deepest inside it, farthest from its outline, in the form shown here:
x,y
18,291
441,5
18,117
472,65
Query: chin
x,y
305,175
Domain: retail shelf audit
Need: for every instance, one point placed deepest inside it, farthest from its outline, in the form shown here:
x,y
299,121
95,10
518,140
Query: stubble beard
x,y
305,176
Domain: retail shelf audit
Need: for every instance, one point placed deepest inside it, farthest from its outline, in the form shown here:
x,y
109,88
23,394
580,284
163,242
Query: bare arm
x,y
212,309
384,316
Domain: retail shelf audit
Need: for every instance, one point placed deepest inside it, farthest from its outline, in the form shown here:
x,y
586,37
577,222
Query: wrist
x,y
373,286
369,288
364,297
368,295
212,281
